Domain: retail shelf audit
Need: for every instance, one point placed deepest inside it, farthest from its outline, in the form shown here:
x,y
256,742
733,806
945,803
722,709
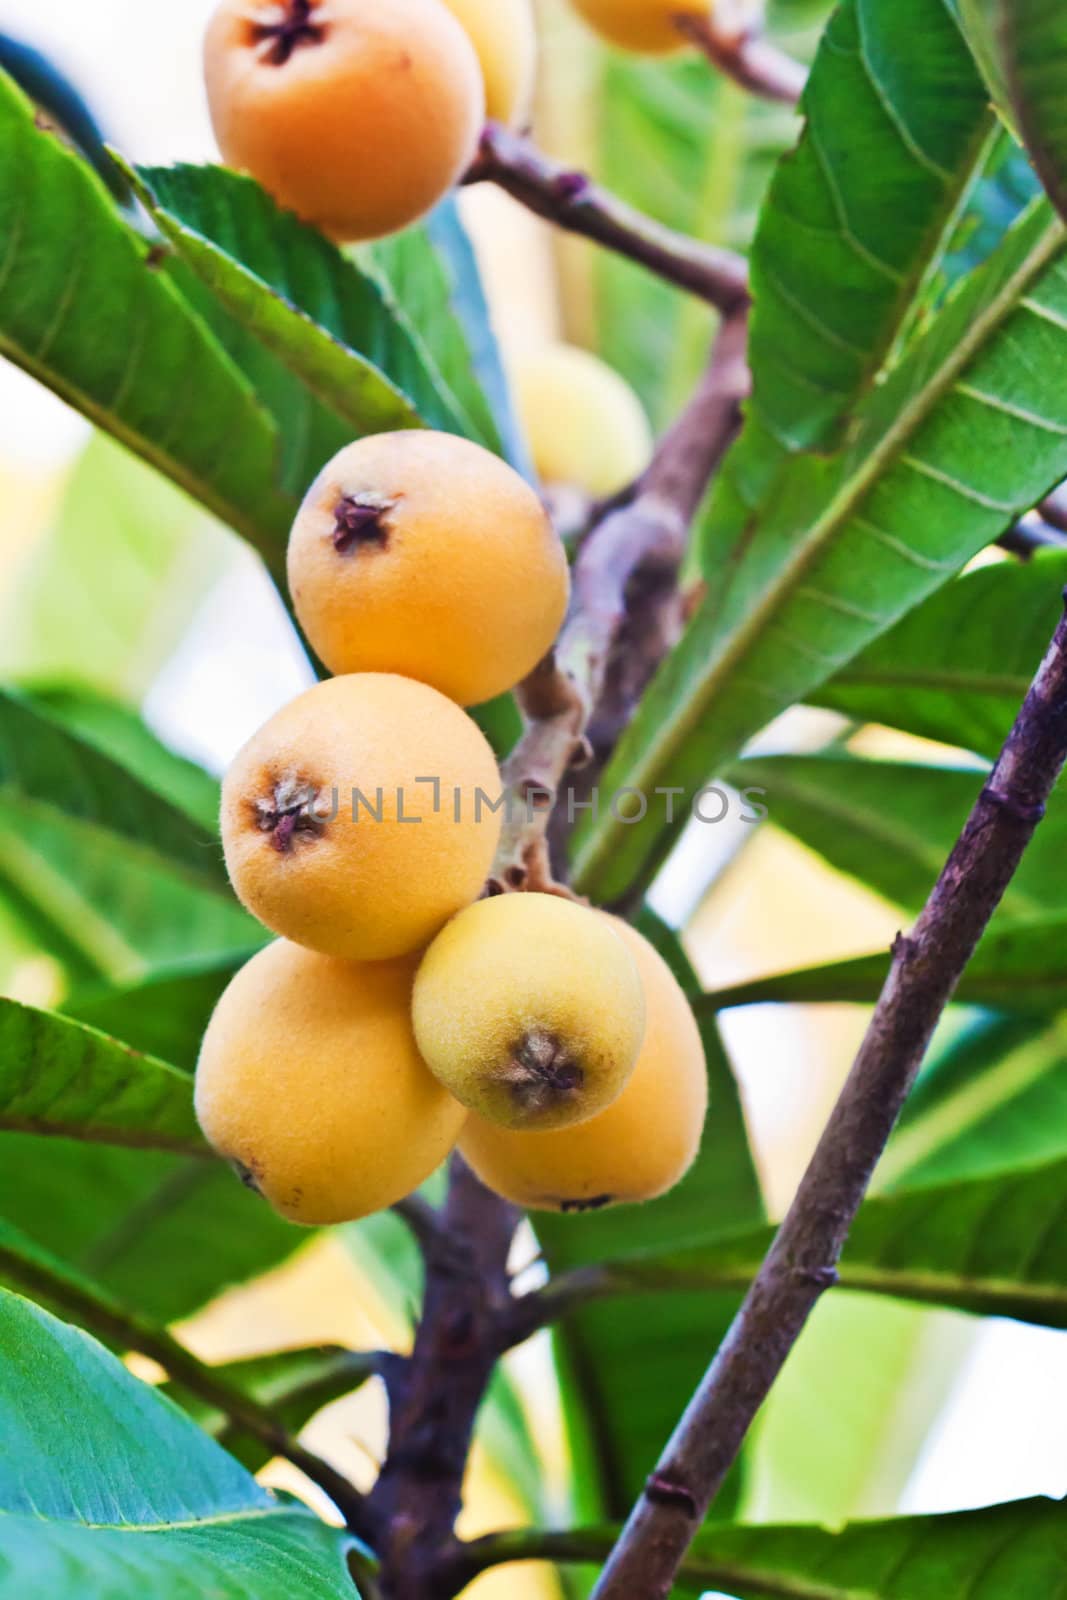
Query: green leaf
x,y
107,1489
992,1246
162,1233
62,1078
632,1391
891,824
165,1015
839,264
995,1097
969,431
1021,965
109,588
314,309
293,1384
1022,44
120,871
957,669
113,337
428,288
998,1553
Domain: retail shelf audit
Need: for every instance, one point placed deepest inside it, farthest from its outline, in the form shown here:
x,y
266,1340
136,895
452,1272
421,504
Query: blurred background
x,y
110,578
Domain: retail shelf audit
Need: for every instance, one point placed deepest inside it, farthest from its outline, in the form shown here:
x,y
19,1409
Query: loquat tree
x,y
766,532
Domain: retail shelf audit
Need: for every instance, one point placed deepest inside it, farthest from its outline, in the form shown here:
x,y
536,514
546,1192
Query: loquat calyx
x,y
641,1146
584,424
504,36
423,554
359,115
310,1083
359,818
646,26
529,1010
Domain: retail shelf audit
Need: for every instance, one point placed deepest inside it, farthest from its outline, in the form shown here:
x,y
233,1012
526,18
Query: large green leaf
x,y
112,335
993,1246
312,307
1020,965
840,264
631,1390
995,1097
164,1015
1022,44
107,1489
63,1078
428,280
968,431
121,871
891,824
999,1553
107,590
293,1384
958,667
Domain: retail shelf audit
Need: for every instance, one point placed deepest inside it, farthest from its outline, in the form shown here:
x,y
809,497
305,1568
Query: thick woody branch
x,y
575,203
738,48
647,535
802,1262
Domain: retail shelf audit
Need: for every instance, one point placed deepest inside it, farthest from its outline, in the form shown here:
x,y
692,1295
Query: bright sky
x,y
137,61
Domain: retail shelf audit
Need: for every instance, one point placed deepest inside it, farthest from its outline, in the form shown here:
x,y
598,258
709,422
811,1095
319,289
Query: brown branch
x,y
575,203
740,51
1053,509
126,1330
647,535
435,1394
802,1261
1026,537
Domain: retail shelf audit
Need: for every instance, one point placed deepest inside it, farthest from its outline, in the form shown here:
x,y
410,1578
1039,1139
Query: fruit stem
x,y
293,29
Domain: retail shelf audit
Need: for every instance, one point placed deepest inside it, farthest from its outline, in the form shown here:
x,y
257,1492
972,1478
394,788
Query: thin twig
x,y
647,534
741,52
1053,509
802,1262
575,203
567,1547
126,1330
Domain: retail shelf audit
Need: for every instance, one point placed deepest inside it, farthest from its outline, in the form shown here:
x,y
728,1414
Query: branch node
x,y
1011,806
665,1491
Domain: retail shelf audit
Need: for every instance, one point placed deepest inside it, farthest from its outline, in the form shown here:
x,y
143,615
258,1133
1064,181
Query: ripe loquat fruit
x,y
584,424
358,819
529,1010
637,1149
310,1083
646,26
504,36
423,554
359,115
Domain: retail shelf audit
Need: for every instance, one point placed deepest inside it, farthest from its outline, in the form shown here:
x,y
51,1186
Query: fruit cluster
x,y
398,1014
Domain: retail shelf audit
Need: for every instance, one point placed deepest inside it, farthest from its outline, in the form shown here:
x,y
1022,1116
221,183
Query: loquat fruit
x,y
310,1083
359,115
584,424
529,1010
423,554
641,1146
646,26
504,36
358,819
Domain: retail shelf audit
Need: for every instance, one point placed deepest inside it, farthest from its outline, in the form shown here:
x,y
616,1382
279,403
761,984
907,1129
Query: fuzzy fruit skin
x,y
641,25
638,1148
520,970
364,889
466,586
504,36
309,1079
584,424
360,131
